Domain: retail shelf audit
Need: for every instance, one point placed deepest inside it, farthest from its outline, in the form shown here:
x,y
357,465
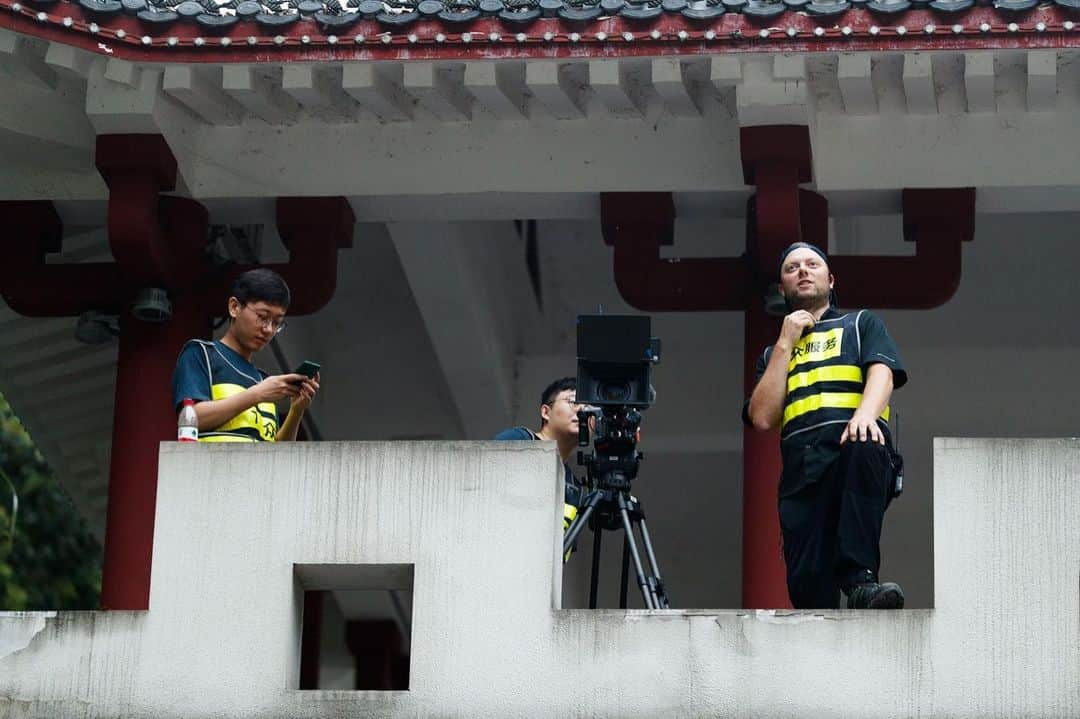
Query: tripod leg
x,y
579,522
594,578
625,572
646,594
658,585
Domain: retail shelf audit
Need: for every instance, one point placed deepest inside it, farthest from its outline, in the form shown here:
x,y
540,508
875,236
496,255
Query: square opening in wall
x,y
356,626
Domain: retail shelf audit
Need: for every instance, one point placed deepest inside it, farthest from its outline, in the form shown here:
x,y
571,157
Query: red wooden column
x,y
763,579
775,159
158,241
143,418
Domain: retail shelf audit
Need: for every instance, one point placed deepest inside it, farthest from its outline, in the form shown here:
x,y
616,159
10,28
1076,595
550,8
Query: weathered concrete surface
x,y
480,523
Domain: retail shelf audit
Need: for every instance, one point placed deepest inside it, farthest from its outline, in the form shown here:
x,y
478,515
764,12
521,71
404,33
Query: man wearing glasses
x,y
234,400
558,423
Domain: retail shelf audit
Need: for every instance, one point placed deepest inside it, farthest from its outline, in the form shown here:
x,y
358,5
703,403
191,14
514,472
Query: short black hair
x,y
552,391
261,285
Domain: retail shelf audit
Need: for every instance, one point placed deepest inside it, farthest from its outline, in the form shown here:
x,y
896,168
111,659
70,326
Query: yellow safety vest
x,y
229,377
825,377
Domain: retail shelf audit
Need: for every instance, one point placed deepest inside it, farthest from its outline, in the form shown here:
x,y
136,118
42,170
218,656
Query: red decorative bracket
x,y
777,160
938,221
35,289
313,229
157,240
636,224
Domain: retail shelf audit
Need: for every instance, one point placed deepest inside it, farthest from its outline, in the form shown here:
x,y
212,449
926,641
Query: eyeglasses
x,y
270,323
574,403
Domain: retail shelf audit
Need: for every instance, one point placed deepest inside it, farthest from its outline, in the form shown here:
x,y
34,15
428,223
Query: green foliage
x,y
50,561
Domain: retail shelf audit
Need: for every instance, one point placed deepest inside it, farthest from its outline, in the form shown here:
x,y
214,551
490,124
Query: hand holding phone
x,y
308,368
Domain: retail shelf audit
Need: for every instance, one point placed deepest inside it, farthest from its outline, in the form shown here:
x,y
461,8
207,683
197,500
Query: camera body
x,y
615,357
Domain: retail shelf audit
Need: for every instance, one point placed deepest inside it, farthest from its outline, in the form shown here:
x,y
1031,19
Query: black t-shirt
x,y
807,457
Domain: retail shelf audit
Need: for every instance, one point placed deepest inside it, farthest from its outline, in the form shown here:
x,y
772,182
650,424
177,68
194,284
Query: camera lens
x,y
616,391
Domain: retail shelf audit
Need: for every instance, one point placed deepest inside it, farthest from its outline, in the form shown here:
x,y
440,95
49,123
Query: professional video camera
x,y
615,358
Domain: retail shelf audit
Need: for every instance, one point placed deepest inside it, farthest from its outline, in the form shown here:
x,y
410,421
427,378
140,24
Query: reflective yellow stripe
x,y
817,346
569,512
260,417
833,373
226,438
825,400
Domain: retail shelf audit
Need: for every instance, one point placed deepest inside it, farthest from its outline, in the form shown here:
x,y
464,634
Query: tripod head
x,y
615,431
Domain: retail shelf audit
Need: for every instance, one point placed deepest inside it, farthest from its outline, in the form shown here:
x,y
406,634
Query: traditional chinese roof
x,y
408,29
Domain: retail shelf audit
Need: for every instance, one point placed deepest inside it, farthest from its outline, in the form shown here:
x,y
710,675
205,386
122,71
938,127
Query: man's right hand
x,y
279,386
793,327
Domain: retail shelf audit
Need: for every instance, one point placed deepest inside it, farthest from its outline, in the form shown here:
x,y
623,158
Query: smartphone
x,y
308,369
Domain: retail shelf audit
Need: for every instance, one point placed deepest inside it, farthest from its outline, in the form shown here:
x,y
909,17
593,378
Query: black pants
x,y
832,529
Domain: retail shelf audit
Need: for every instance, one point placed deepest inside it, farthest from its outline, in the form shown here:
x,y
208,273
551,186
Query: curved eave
x,y
128,38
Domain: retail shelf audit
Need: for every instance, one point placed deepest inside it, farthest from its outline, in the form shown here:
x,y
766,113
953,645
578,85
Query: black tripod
x,y
609,509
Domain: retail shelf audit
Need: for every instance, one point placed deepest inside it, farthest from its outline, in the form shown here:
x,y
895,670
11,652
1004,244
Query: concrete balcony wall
x,y
480,523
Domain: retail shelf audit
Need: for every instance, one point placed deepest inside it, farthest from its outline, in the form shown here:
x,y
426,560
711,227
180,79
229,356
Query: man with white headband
x,y
826,383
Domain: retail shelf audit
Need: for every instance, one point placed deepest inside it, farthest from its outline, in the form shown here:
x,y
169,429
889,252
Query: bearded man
x,y
826,383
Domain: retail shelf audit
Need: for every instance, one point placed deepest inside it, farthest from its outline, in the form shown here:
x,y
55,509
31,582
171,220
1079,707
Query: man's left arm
x,y
297,407
883,371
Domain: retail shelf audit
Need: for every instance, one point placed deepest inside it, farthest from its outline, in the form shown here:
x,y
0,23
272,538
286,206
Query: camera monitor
x,y
615,357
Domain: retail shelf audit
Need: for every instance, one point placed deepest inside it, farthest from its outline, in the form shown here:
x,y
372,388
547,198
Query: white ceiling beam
x,y
18,330
68,59
47,129
124,99
378,88
725,71
470,284
53,348
556,88
23,63
616,88
979,82
122,72
299,81
318,89
1041,80
856,84
499,87
71,371
439,90
789,68
200,91
773,91
919,84
259,95
672,81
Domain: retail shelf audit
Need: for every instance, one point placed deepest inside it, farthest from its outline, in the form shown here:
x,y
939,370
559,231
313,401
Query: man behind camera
x,y
558,423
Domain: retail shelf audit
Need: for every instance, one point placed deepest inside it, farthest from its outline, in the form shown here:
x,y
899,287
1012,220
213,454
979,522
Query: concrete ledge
x,y
480,522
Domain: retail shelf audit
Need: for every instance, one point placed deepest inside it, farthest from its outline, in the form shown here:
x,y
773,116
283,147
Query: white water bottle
x,y
187,426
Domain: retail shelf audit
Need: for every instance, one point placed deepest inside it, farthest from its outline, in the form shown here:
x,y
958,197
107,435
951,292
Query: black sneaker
x,y
876,596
